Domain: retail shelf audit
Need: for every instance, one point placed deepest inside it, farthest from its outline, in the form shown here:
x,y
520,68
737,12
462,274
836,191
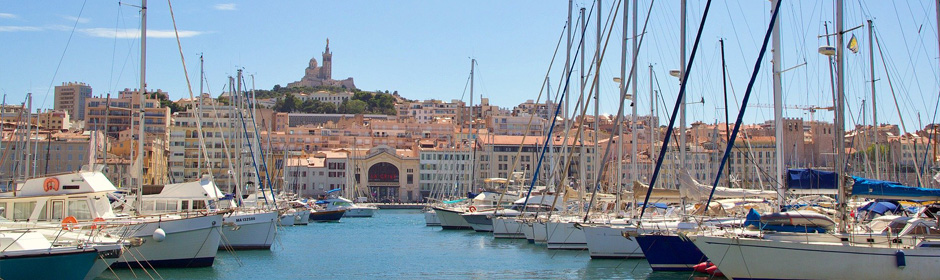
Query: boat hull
x,y
430,219
539,232
565,236
451,219
301,218
189,242
359,212
670,252
507,227
608,242
746,258
66,265
286,219
327,216
480,222
249,230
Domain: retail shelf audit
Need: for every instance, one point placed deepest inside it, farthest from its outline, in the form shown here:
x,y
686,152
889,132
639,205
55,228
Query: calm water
x,y
395,244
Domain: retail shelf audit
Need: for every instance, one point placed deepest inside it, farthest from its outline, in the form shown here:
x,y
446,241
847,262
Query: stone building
x,y
316,75
388,174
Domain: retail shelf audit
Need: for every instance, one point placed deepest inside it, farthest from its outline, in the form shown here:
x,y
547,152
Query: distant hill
x,y
362,102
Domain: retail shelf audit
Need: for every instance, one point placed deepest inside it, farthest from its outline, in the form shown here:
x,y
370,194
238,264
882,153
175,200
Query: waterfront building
x,y
388,174
444,169
312,175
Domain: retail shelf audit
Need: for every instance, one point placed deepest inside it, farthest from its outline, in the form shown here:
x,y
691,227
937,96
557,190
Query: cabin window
x,y
3,209
58,210
185,205
199,204
80,210
42,213
161,206
171,206
21,210
147,206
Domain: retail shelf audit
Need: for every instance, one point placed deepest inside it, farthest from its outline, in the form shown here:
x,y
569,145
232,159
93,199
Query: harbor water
x,y
395,244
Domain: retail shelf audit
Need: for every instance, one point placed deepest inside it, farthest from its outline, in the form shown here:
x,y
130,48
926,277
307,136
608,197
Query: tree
x,y
354,107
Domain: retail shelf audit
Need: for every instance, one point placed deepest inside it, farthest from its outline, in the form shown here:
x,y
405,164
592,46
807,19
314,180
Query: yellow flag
x,y
853,44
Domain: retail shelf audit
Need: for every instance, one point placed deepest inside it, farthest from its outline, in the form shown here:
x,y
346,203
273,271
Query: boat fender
x,y
702,267
899,257
473,209
159,235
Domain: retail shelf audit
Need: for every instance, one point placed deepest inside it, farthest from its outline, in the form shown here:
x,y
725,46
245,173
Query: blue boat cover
x,y
869,188
880,207
806,179
333,190
454,201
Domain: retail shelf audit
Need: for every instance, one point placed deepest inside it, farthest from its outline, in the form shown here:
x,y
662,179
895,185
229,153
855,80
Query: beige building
x,y
118,115
71,97
388,174
56,153
312,175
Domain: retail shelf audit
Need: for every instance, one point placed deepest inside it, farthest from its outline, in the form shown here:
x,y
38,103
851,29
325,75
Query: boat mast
x,y
682,126
623,78
840,117
597,91
29,135
472,142
141,93
198,103
874,102
724,86
581,154
778,107
633,130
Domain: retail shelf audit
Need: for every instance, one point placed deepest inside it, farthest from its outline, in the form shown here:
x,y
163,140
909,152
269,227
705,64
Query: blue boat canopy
x,y
333,190
454,201
869,188
811,179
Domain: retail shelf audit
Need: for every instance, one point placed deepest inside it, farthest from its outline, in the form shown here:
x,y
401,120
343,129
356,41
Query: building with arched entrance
x,y
387,174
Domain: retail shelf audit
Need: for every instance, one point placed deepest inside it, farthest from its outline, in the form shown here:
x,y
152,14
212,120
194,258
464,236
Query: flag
x,y
853,44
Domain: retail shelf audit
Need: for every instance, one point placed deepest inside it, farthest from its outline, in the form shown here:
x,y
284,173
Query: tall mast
x,y
597,90
724,86
633,159
778,106
840,115
581,154
142,93
198,103
682,126
652,126
874,103
567,71
29,135
472,142
623,79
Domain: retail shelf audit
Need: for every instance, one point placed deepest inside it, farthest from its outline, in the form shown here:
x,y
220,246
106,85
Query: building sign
x,y
383,172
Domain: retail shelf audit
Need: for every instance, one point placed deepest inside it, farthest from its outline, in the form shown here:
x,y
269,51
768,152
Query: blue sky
x,y
422,49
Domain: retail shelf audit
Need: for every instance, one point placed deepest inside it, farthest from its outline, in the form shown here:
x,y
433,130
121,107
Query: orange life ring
x,y
69,223
94,224
473,209
50,184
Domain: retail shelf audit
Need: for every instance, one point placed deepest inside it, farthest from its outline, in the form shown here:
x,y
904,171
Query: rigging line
x,y
518,156
189,86
114,49
893,95
747,96
62,57
672,119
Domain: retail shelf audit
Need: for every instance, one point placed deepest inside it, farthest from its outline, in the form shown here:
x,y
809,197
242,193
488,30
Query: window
x,y
22,210
80,210
411,179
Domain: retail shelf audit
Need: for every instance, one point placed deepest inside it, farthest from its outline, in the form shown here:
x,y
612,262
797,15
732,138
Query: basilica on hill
x,y
316,75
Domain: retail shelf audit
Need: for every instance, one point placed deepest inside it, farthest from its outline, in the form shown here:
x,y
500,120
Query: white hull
x,y
451,219
539,232
507,227
608,242
286,219
189,242
430,219
528,230
741,258
359,212
249,230
102,264
302,218
564,235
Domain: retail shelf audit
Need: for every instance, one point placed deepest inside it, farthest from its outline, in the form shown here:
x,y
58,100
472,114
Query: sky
x,y
422,49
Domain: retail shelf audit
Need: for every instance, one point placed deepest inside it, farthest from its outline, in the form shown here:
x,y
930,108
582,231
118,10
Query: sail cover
x,y
803,180
869,188
692,189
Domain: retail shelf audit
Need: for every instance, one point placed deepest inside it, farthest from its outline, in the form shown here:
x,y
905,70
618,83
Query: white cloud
x,y
135,33
8,15
73,19
225,7
19,28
